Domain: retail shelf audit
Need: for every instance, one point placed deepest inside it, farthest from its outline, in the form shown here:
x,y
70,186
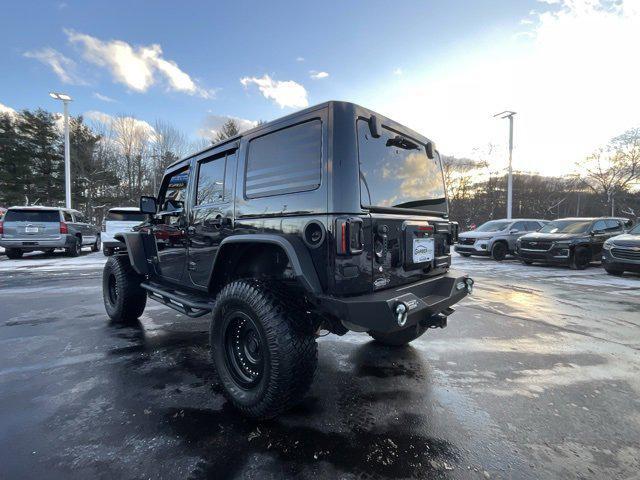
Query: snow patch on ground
x,y
54,262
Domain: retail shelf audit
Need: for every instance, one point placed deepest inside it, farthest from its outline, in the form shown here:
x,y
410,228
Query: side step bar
x,y
176,301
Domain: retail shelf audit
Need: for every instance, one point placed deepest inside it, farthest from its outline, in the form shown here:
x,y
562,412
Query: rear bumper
x,y
424,300
29,244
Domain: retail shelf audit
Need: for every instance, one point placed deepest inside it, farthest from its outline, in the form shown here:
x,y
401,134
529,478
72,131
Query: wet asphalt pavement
x,y
536,376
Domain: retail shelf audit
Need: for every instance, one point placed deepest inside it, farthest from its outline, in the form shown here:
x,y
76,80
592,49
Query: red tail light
x,y
349,239
1,228
64,228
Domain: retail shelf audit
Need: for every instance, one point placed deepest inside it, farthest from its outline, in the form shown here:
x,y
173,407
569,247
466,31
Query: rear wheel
x,y
614,271
399,338
124,298
264,358
75,249
96,245
14,253
499,251
580,259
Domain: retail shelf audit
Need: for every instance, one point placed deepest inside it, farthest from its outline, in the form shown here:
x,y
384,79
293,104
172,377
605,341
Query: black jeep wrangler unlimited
x,y
333,218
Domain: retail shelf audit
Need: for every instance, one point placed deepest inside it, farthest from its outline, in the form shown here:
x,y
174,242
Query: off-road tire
x,y
96,245
614,271
76,249
499,251
466,255
399,338
580,258
14,253
124,298
288,349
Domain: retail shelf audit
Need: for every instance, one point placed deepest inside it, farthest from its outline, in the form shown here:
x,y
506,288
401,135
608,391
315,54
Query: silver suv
x,y
27,229
496,238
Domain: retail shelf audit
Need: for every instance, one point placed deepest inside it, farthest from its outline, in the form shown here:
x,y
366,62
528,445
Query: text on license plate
x,y
423,250
31,229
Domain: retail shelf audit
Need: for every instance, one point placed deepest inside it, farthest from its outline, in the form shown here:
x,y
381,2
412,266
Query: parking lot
x,y
536,376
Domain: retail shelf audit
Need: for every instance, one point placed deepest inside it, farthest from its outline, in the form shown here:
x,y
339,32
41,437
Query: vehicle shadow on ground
x,y
358,417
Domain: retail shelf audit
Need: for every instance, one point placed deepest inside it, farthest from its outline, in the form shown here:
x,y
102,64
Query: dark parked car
x,y
622,253
28,229
333,218
569,241
496,237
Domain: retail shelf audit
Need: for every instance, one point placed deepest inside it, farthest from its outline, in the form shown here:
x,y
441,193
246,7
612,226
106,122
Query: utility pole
x,y
509,114
67,156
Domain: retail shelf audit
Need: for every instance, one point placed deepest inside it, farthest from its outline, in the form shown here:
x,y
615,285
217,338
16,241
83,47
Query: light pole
x,y
509,114
67,159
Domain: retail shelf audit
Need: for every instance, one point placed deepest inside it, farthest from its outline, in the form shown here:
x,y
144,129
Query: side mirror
x,y
148,205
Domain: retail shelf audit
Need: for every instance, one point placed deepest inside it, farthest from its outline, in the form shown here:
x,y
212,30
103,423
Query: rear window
x,y
396,172
41,216
286,161
120,216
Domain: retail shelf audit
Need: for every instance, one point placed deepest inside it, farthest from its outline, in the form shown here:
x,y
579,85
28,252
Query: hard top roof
x,y
124,209
40,207
319,106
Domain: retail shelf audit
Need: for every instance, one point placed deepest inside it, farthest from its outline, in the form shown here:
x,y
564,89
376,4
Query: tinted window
x,y
396,172
67,216
125,216
613,225
599,225
520,226
532,226
286,161
635,230
32,216
211,181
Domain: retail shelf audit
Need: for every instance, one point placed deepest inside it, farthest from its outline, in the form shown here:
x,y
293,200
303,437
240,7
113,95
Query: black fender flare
x,y
141,250
293,247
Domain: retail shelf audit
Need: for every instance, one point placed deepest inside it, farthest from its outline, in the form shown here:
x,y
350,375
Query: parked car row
x,y
38,228
575,242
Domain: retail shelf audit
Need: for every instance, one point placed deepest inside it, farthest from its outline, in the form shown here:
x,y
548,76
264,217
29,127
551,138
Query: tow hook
x,y
439,320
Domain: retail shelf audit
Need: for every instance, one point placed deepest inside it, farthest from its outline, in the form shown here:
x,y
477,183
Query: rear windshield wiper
x,y
402,142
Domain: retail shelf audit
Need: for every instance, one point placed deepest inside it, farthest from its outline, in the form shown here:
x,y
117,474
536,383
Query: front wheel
x,y
14,253
499,251
399,338
264,357
97,244
580,259
124,298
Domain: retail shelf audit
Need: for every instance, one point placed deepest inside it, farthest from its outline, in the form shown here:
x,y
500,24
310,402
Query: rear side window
x,y
67,216
43,216
286,161
124,216
211,181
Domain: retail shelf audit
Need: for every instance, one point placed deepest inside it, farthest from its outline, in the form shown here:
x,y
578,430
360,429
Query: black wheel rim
x,y
244,351
112,288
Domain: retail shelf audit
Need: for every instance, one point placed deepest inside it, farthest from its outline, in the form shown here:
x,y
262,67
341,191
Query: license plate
x,y
423,250
31,229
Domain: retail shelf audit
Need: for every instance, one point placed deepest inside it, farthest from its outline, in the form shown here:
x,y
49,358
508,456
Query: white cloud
x,y
574,84
285,93
104,98
109,120
213,123
299,59
318,75
136,67
62,66
6,109
398,71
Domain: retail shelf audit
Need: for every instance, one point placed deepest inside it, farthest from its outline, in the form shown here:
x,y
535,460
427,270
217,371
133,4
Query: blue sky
x,y
442,67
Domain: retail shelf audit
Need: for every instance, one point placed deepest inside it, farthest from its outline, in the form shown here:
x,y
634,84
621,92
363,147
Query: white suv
x,y
117,220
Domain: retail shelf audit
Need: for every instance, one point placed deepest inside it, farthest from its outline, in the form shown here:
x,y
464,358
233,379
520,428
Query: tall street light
x,y
509,114
67,161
